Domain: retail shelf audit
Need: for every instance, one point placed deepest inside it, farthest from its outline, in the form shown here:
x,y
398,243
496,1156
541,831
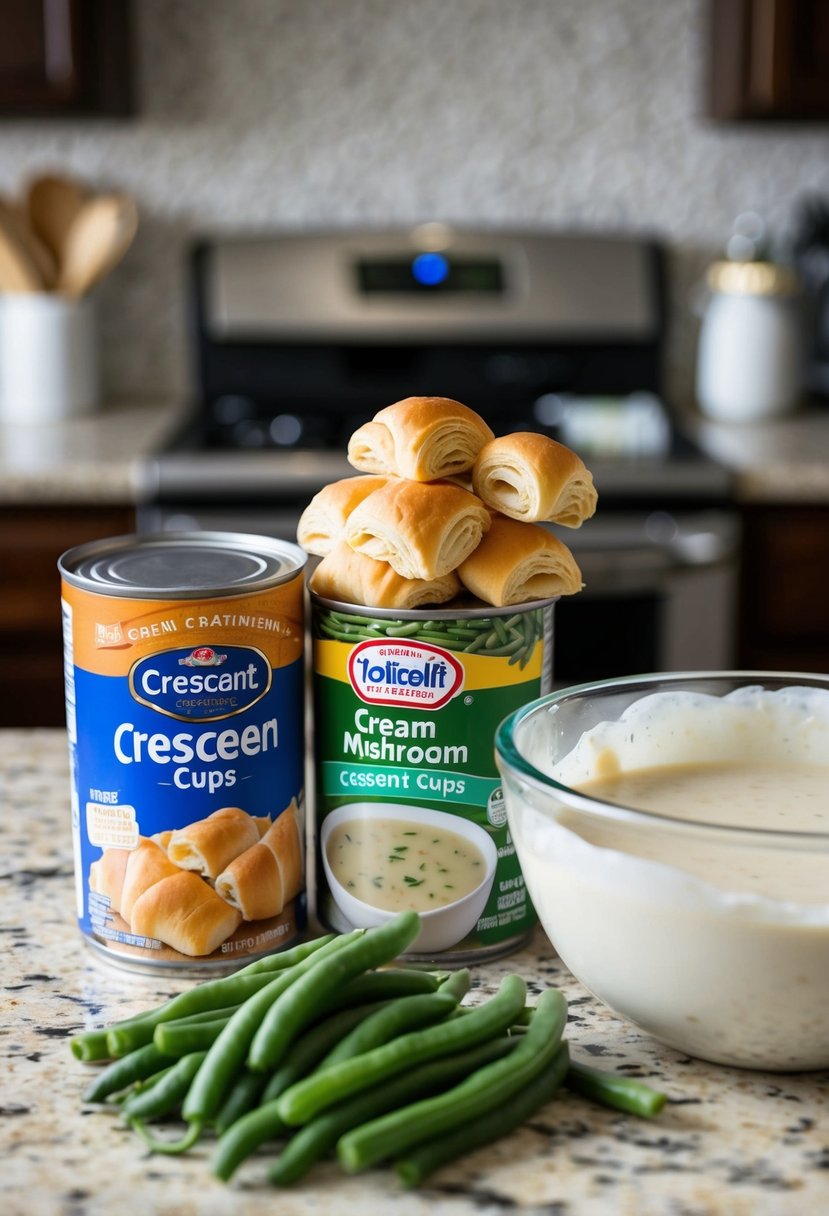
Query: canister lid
x,y
181,565
752,279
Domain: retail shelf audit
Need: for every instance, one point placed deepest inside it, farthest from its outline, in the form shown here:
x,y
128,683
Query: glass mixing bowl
x,y
704,924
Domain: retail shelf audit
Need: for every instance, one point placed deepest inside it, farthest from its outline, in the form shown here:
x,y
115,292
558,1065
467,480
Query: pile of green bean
x,y
514,635
320,1052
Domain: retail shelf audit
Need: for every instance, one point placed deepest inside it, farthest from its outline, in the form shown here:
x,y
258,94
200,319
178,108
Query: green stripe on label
x,y
434,785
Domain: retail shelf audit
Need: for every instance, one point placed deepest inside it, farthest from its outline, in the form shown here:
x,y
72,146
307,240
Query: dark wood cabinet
x,y
768,60
784,599
31,645
67,58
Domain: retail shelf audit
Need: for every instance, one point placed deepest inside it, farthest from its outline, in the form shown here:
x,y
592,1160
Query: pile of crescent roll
x,y
193,887
445,509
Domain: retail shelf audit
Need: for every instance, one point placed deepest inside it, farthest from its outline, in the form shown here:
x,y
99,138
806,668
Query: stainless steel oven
x,y
298,338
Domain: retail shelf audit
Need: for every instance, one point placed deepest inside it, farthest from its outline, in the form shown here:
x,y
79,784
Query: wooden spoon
x,y
97,240
52,203
20,268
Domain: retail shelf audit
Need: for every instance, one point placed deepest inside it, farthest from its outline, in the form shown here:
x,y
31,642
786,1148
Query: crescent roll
x,y
532,478
517,562
210,844
147,864
106,875
185,912
263,879
422,531
355,579
421,438
322,522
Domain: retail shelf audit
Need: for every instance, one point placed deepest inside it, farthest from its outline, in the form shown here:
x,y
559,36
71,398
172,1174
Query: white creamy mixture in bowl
x,y
380,858
673,831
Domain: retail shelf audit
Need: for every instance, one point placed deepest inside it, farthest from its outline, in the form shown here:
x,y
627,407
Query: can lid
x,y
181,565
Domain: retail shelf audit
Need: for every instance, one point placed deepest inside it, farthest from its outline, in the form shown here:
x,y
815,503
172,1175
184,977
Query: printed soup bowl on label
x,y
381,857
674,834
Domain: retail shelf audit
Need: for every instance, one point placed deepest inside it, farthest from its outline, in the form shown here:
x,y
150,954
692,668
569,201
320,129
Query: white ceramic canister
x,y
48,358
750,355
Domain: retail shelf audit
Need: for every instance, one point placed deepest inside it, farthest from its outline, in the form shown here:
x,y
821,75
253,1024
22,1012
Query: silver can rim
x,y
435,614
291,557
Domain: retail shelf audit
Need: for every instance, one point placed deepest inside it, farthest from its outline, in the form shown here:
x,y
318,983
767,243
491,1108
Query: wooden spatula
x,y
21,267
97,240
52,204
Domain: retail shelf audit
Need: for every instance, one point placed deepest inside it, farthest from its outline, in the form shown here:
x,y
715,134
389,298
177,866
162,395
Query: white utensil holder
x,y
48,358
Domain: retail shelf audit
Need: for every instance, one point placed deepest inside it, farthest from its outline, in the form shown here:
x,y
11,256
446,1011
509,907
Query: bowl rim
x,y
508,752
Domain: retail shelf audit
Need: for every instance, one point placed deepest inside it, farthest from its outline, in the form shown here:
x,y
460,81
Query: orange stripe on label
x,y
110,633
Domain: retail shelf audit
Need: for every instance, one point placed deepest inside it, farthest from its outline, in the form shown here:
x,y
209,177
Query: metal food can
x,y
183,661
409,807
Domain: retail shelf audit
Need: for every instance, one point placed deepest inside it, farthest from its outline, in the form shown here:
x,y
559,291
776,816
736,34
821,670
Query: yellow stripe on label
x,y
480,671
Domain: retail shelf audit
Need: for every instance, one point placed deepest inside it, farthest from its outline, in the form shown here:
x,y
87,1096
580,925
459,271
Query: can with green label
x,y
410,811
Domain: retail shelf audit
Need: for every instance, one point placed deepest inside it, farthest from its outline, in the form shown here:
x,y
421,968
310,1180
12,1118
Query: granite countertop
x,y
728,1142
91,459
781,460
99,458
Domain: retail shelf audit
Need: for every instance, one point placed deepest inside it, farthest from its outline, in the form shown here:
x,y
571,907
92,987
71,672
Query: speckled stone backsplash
x,y
262,114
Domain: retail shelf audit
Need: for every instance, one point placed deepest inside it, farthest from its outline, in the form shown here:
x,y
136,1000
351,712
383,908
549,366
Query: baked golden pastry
x,y
106,875
352,578
517,562
210,844
260,881
532,478
185,912
422,531
147,864
322,523
421,438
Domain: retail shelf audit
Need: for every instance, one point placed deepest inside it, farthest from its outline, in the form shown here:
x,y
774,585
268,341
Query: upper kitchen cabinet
x,y
768,60
64,58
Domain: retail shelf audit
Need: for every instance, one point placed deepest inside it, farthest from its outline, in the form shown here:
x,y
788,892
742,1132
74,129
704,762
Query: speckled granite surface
x,y
729,1142
86,460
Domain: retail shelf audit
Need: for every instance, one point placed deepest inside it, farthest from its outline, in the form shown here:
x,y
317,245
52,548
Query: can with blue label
x,y
183,661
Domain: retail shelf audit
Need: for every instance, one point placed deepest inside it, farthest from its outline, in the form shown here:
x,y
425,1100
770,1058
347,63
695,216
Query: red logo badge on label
x,y
399,672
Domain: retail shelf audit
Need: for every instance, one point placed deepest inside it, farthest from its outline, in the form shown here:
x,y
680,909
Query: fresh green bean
x,y
166,1146
226,1056
296,1007
245,1136
140,1087
124,1037
398,1017
254,1128
314,1045
316,1138
135,1067
321,1090
91,1045
489,1087
158,1101
182,1039
424,1158
245,1095
144,1031
381,986
621,1093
